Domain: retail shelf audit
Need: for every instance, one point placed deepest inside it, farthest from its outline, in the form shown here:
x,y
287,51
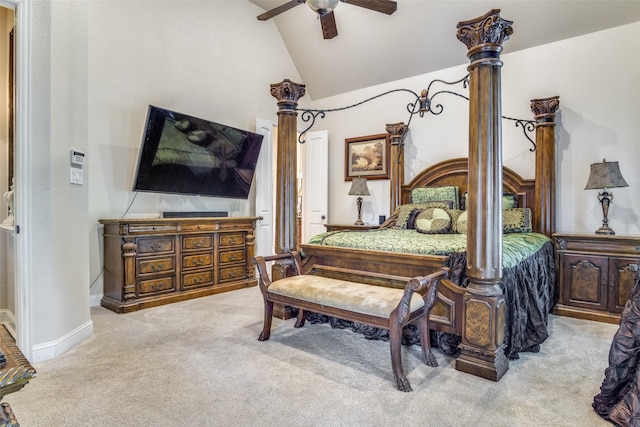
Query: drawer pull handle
x,y
199,226
637,248
157,267
198,261
156,286
199,243
154,228
156,248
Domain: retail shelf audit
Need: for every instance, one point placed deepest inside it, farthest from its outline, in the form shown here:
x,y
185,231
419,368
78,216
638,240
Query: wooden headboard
x,y
455,171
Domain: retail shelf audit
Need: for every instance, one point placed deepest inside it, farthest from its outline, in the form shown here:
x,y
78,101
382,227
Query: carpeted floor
x,y
198,363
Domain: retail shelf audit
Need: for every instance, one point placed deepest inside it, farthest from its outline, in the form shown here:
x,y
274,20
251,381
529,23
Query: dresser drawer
x,y
194,280
197,261
156,286
204,241
155,265
155,245
231,256
232,273
231,239
196,226
152,228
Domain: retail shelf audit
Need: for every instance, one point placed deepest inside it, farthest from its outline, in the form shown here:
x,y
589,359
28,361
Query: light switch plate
x,y
77,176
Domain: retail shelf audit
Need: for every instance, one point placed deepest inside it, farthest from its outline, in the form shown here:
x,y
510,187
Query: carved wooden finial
x,y
489,28
287,92
397,132
545,107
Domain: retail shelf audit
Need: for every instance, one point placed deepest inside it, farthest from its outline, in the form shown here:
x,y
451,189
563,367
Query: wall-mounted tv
x,y
183,154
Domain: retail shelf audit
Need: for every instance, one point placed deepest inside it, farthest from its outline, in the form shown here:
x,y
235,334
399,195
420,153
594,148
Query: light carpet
x,y
199,363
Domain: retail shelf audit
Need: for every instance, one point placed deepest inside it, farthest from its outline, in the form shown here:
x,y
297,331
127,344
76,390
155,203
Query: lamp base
x,y
605,230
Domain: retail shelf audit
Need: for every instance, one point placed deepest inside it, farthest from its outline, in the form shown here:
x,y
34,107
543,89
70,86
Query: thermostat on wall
x,y
77,157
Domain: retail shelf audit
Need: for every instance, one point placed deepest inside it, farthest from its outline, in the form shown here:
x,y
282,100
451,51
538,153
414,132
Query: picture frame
x,y
367,156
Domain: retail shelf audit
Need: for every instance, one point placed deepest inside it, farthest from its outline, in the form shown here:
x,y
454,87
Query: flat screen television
x,y
182,154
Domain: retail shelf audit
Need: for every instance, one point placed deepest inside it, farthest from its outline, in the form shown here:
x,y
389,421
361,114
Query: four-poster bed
x,y
478,313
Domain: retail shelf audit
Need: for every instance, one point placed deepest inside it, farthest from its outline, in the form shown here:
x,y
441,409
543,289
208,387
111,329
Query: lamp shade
x,y
359,187
605,175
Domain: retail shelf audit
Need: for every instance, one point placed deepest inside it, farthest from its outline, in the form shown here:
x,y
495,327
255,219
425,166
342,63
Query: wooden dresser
x,y
149,262
596,273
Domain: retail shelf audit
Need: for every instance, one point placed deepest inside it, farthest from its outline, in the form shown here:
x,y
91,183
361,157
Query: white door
x,y
315,183
265,180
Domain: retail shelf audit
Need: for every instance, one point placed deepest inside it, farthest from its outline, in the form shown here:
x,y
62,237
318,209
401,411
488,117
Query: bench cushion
x,y
356,297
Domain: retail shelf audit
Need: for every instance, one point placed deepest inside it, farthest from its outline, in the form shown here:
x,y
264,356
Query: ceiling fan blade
x,y
382,6
278,10
328,22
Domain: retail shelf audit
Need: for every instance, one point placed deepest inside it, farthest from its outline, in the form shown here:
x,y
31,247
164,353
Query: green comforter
x,y
516,246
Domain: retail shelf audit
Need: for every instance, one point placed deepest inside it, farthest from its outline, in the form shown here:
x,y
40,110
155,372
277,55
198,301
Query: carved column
x,y
287,93
397,132
483,324
545,195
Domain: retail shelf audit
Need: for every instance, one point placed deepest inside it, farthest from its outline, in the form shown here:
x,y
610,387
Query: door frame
x,y
22,170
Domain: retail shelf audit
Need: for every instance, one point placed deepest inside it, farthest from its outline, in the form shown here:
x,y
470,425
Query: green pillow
x,y
461,223
447,193
516,220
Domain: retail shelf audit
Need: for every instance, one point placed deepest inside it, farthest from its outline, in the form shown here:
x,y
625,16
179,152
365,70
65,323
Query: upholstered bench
x,y
379,306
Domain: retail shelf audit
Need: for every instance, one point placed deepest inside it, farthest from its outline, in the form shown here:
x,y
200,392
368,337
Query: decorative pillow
x,y
405,210
517,220
461,223
509,201
411,221
446,193
433,221
454,214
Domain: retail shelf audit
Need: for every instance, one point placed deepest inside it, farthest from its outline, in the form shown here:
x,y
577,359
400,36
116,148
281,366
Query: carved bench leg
x,y
268,316
425,341
395,339
300,320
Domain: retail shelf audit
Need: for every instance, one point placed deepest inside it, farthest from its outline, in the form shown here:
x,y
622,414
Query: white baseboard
x,y
53,349
94,300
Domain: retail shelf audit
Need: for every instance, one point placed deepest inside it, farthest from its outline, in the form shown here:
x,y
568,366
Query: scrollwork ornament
x,y
489,28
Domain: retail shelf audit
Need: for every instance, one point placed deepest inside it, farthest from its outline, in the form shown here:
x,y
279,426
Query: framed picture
x,y
367,156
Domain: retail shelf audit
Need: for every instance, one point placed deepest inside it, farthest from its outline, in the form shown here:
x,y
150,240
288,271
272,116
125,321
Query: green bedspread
x,y
516,246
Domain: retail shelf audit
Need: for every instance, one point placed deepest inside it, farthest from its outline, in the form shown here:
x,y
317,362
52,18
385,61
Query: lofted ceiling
x,y
420,37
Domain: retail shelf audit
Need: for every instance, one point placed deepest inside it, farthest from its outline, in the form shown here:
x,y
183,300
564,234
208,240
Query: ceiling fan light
x,y
322,6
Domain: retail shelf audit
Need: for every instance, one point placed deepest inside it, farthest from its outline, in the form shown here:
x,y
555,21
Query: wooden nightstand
x,y
595,274
338,227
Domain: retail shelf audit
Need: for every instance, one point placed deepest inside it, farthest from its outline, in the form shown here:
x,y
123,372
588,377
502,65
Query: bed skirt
x,y
530,290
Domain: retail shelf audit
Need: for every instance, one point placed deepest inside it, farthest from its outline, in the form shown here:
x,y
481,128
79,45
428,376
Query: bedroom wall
x,y
209,59
95,68
599,104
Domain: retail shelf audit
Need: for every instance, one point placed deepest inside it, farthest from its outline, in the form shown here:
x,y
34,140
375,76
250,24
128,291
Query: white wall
x,y
96,67
595,77
209,59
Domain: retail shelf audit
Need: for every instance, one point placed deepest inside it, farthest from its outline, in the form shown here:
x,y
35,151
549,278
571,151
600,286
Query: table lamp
x,y
359,188
603,176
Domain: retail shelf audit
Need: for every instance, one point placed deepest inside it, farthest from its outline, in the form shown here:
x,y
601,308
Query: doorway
x,y
7,132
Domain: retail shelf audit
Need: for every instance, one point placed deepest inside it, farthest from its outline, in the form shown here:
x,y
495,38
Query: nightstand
x,y
595,274
340,227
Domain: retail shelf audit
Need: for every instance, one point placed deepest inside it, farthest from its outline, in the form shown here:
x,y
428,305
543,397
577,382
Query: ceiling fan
x,y
324,9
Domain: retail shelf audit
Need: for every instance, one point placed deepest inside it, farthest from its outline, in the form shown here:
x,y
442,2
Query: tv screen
x,y
183,154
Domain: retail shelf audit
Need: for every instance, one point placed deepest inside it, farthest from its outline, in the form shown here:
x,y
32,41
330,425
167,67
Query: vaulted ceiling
x,y
373,48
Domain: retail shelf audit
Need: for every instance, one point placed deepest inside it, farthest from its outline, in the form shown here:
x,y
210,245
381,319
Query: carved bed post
x,y
545,194
287,93
484,309
397,132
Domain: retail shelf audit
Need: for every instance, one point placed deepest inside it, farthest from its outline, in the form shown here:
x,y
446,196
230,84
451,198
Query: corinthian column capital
x,y
488,29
